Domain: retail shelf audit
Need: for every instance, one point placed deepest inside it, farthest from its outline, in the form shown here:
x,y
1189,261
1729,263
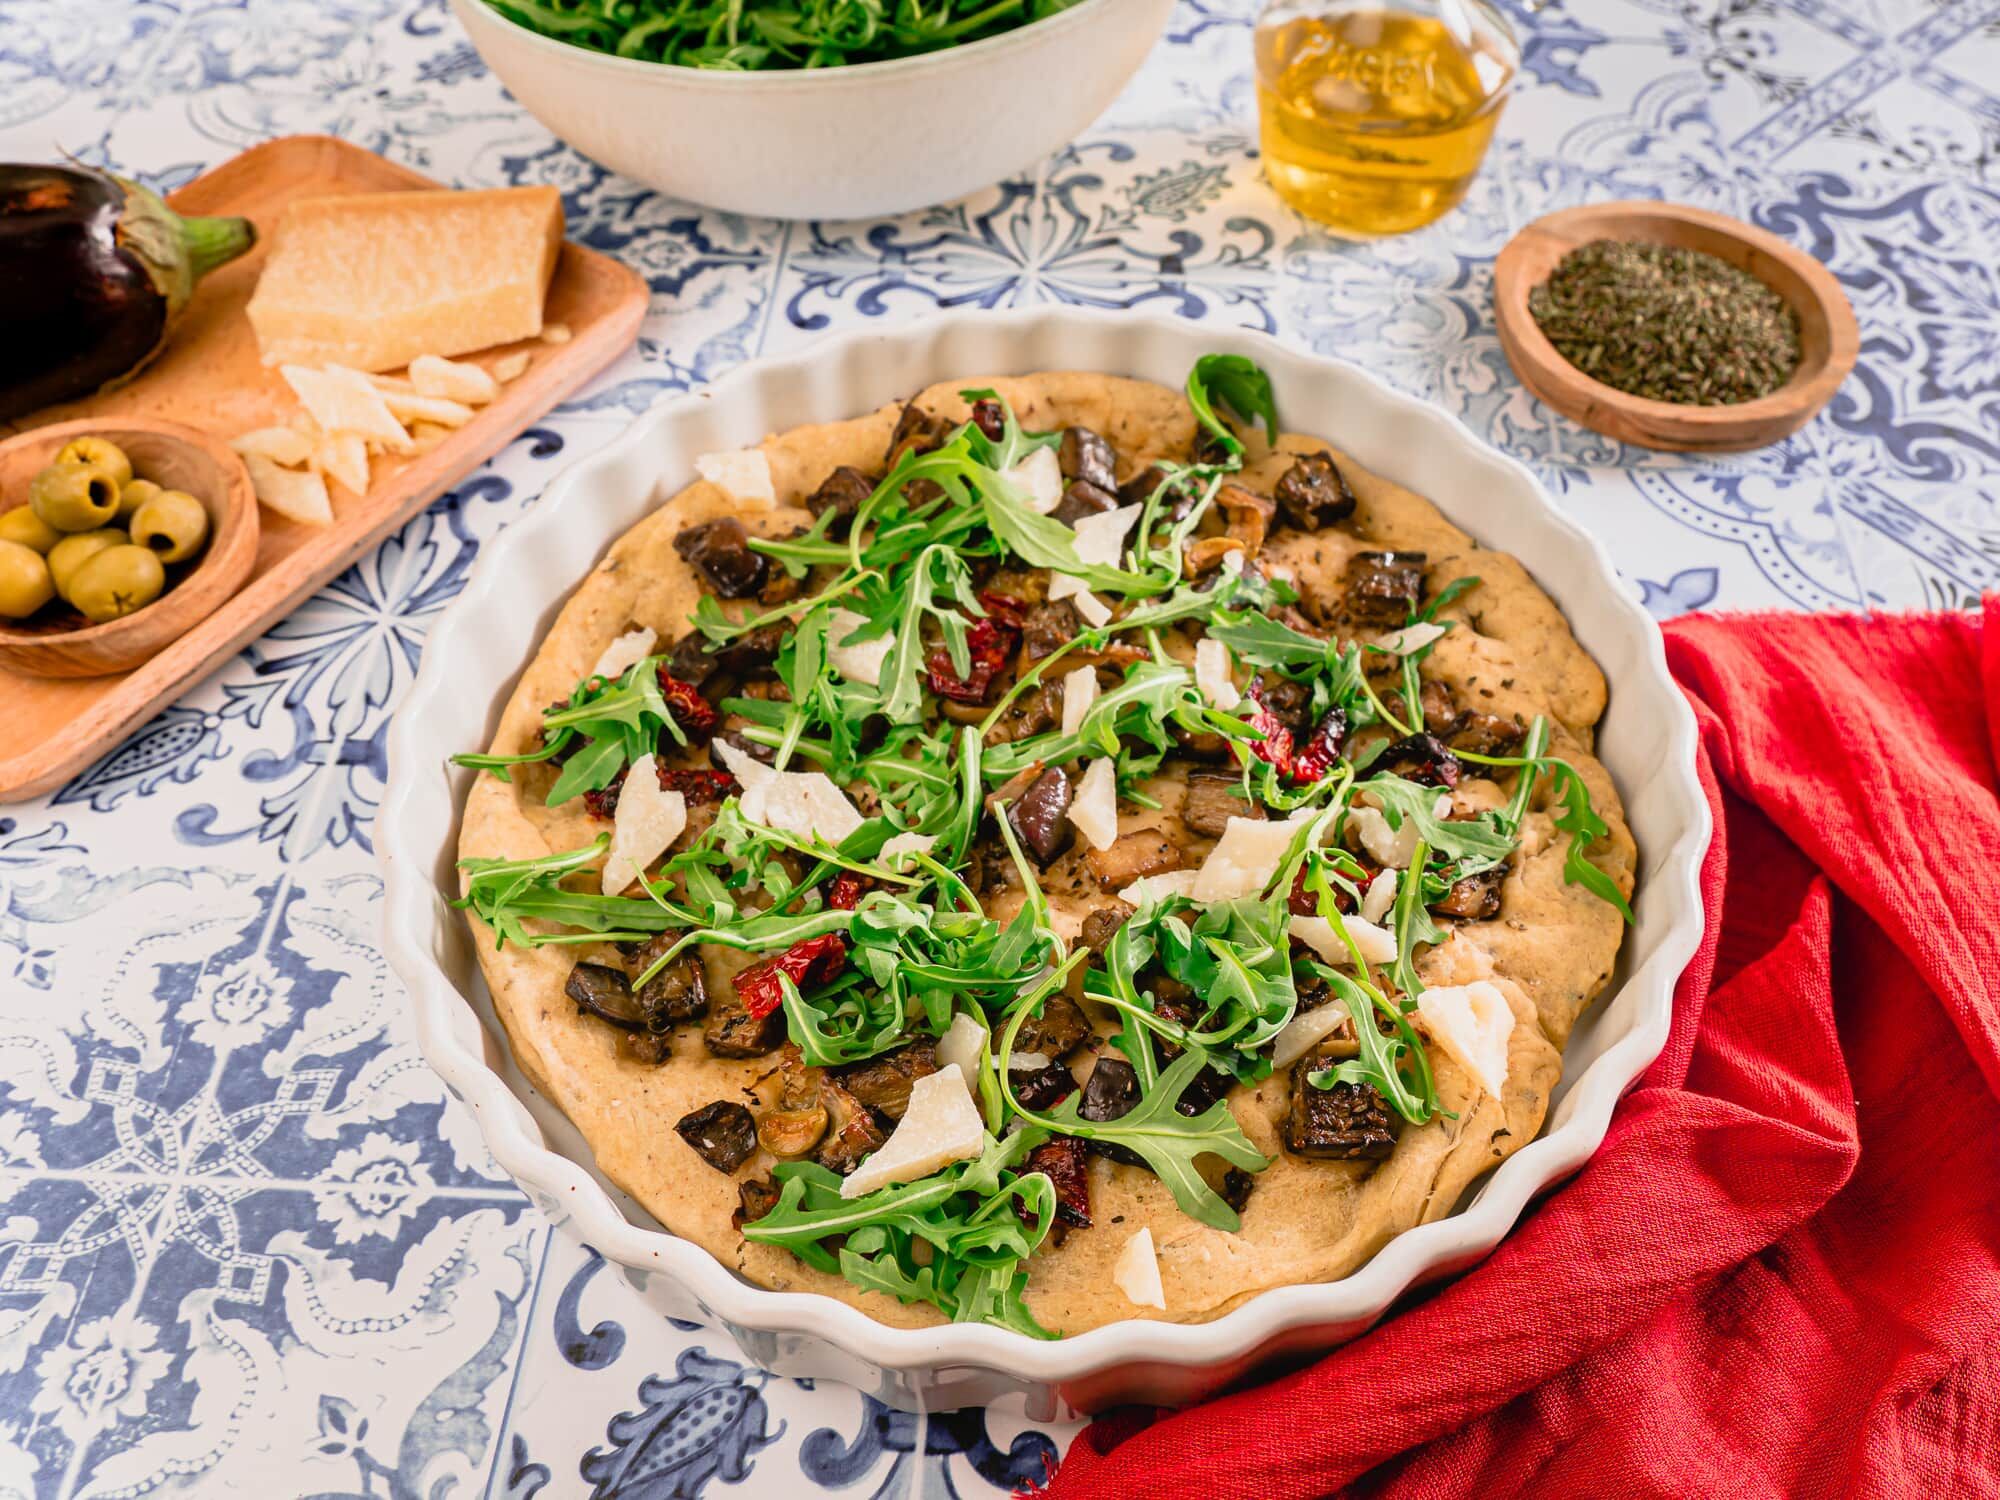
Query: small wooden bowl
x,y
176,458
1828,336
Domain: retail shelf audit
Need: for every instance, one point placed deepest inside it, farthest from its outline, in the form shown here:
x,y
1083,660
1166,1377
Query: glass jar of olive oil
x,y
1375,114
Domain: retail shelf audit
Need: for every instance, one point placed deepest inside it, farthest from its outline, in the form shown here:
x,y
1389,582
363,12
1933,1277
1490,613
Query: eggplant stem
x,y
213,242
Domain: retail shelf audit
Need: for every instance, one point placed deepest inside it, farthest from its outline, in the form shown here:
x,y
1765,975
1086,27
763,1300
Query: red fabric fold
x,y
1781,1273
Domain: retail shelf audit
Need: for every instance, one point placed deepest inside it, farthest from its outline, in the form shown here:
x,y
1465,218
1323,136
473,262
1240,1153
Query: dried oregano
x,y
1668,324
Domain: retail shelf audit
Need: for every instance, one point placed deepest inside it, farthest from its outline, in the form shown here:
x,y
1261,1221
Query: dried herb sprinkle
x,y
1666,323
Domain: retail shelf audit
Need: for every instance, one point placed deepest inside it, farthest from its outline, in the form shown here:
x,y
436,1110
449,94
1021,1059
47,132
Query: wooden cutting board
x,y
210,377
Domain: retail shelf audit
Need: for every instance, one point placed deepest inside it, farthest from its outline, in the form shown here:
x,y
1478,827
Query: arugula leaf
x,y
506,894
1413,924
1443,599
1584,827
1459,839
1396,1067
1240,384
618,720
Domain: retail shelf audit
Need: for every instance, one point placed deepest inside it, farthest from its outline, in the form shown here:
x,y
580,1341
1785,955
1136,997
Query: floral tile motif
x,y
247,1244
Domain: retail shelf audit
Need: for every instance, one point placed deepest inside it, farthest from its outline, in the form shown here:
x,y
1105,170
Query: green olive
x,y
74,497
24,581
22,525
101,453
72,552
134,493
115,582
173,523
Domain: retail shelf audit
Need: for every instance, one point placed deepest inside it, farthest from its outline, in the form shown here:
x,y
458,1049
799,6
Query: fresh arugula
x,y
1241,385
617,722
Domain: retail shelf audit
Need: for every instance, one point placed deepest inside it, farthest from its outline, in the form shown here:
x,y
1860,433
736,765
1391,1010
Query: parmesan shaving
x,y
1159,887
294,495
1306,1031
1379,897
964,1046
1039,479
452,380
344,400
1246,856
1079,691
413,408
1410,639
805,803
1212,674
343,456
860,663
1136,1272
1093,812
896,853
281,445
941,1126
1377,945
649,820
744,475
1473,1023
512,366
1095,611
626,652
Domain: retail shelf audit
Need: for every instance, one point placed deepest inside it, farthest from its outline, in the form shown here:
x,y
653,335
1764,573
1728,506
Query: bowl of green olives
x,y
116,539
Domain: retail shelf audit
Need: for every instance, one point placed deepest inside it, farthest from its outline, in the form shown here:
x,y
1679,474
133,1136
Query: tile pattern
x,y
246,1244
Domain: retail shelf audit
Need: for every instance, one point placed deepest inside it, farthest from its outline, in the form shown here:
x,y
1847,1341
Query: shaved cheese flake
x,y
964,1046
344,400
1377,945
1379,897
804,803
425,436
1394,847
294,495
1094,810
1136,1272
1039,478
1246,857
896,853
556,333
452,380
512,366
626,652
438,410
343,456
1100,538
1306,1031
1094,610
1079,691
649,820
281,445
743,475
1027,1062
1410,639
1473,1023
1212,675
860,663
1159,887
941,1126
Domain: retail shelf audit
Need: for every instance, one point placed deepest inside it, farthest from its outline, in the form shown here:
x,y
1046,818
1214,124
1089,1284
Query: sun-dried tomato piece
x,y
1319,753
813,961
1064,1159
1005,608
848,889
990,644
697,786
694,713
990,417
1276,746
1422,758
603,803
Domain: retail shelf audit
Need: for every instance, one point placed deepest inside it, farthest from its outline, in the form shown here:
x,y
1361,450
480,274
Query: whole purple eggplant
x,y
95,271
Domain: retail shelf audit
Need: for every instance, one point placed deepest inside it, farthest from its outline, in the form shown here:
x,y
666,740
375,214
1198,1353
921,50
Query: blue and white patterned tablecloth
x,y
247,1247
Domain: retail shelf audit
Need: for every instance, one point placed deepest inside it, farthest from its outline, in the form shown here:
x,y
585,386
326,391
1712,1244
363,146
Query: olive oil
x,y
1374,119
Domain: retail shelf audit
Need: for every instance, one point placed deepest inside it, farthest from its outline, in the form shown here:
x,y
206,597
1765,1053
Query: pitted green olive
x,y
72,552
133,494
25,585
74,497
115,582
100,452
173,524
22,525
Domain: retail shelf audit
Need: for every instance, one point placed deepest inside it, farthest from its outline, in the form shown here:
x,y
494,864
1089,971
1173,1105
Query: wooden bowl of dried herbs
x,y
1672,327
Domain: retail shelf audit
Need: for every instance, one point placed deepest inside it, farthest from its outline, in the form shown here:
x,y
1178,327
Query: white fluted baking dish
x,y
480,645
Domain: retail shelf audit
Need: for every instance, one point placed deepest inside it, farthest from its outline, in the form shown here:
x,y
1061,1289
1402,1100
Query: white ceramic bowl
x,y
476,651
830,143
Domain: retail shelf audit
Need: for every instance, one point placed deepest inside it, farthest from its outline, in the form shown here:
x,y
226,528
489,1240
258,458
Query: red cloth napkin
x,y
1781,1274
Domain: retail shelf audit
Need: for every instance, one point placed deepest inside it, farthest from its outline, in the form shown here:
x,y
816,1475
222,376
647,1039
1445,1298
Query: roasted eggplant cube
x,y
1212,800
1348,1122
1474,898
755,1197
1421,758
917,431
604,992
1313,493
1081,498
858,1135
1384,588
1101,925
1110,1092
1040,817
678,993
884,1083
1086,456
1055,1030
1133,856
841,492
1487,734
720,551
1047,628
1042,1088
723,1133
733,1032
1063,1158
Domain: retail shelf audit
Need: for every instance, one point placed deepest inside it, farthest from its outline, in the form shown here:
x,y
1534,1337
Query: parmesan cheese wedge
x,y
1246,856
512,366
1411,638
1212,676
1393,847
860,663
281,445
1136,1272
1079,691
1100,542
744,475
805,803
1473,1023
1306,1031
941,1126
1380,895
624,653
1094,610
1039,478
896,853
964,1046
649,820
1377,945
294,494
1093,812
451,380
374,280
1159,887
415,407
343,456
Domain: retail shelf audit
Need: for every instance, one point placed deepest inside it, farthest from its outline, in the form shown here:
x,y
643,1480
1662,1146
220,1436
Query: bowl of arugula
x,y
825,109
1645,739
